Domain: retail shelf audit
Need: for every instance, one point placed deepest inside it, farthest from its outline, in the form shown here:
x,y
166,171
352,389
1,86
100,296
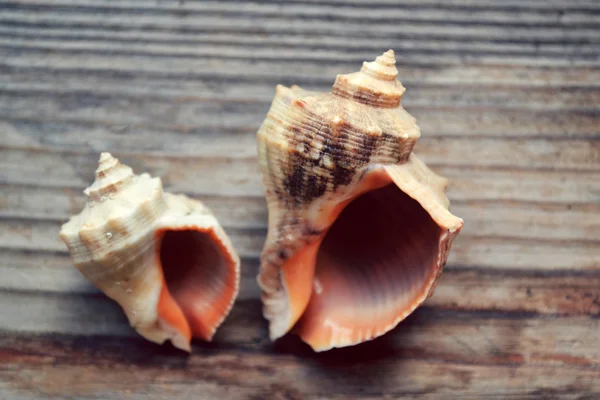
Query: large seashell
x,y
359,227
162,257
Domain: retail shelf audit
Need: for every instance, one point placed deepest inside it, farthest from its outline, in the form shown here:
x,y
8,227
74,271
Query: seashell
x,y
164,258
359,227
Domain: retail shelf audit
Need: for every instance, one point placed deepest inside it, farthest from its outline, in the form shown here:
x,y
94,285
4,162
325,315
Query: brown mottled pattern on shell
x,y
308,156
322,153
382,100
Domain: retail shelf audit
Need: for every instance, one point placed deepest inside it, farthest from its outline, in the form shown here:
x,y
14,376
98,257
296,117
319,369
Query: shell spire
x,y
111,176
375,84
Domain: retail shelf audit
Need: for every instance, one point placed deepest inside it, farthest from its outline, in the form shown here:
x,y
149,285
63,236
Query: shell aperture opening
x,y
198,275
372,269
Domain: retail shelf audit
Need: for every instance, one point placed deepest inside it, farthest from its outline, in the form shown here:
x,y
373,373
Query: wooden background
x,y
507,95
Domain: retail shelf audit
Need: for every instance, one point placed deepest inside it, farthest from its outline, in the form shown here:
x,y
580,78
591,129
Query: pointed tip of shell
x,y
105,156
383,68
387,58
375,84
106,161
105,164
111,176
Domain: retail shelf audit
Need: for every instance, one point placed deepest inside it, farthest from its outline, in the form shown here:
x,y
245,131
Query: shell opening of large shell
x,y
371,269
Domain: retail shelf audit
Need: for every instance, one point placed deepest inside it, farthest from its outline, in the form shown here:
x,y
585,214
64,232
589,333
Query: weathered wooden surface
x,y
507,95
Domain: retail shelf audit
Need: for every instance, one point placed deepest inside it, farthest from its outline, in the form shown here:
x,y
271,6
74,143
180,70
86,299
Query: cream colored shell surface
x,y
113,242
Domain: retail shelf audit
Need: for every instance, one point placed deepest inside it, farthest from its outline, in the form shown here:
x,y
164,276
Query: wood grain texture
x,y
507,96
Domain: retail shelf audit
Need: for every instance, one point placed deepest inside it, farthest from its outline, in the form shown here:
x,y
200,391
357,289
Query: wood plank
x,y
521,185
507,253
503,358
524,291
566,293
98,38
204,74
343,11
319,23
480,152
495,222
186,131
433,121
578,57
440,111
512,5
241,176
303,49
507,5
435,332
488,218
326,11
234,375
228,176
473,251
99,92
287,56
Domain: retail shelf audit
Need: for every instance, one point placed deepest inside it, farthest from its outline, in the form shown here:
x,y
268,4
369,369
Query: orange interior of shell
x,y
200,280
373,267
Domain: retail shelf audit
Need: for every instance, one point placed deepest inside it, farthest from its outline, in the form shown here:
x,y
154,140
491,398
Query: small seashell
x,y
359,227
180,270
